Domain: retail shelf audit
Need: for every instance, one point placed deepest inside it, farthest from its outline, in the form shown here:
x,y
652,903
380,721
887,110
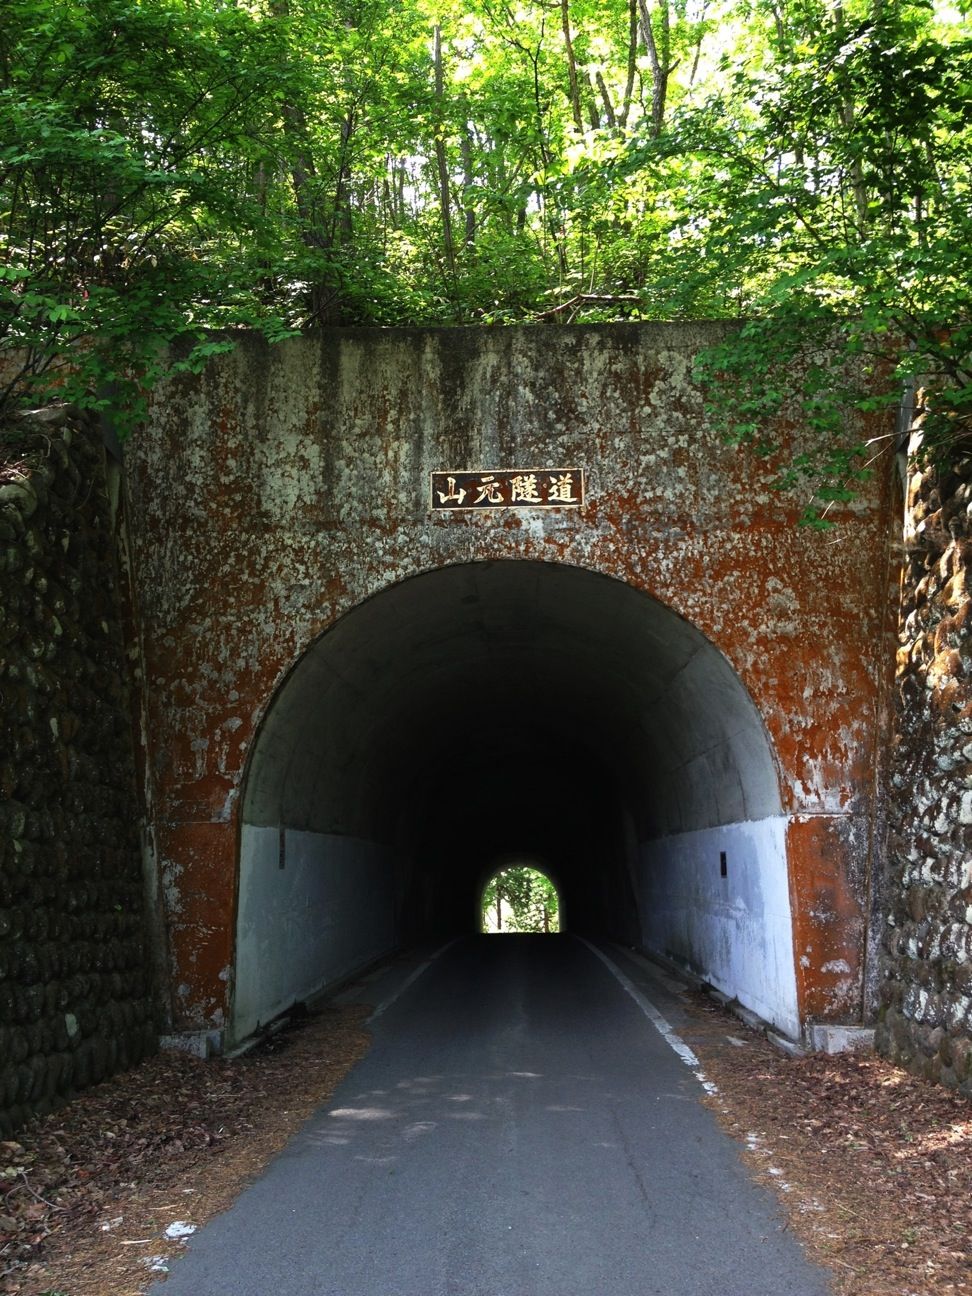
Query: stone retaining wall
x,y
75,994
926,1020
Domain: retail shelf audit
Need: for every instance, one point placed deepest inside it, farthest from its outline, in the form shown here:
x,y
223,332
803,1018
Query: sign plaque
x,y
495,488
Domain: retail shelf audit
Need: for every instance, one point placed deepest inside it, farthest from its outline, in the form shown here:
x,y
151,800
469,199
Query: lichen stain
x,y
200,937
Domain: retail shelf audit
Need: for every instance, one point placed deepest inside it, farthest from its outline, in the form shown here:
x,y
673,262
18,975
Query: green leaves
x,y
520,899
842,207
127,137
169,168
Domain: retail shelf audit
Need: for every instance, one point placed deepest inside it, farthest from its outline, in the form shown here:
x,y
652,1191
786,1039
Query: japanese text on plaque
x,y
509,488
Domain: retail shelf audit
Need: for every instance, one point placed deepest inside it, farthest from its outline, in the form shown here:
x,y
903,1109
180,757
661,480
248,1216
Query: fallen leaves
x,y
95,1197
877,1162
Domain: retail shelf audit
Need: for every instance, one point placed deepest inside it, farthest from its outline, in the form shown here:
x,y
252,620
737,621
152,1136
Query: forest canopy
x,y
173,167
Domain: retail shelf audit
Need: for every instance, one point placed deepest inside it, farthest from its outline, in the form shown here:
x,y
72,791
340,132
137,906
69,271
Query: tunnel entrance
x,y
516,706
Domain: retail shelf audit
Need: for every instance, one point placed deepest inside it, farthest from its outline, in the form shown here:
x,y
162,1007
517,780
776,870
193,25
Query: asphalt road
x,y
519,1128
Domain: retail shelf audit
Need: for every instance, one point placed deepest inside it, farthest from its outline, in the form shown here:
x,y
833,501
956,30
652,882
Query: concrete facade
x,y
675,695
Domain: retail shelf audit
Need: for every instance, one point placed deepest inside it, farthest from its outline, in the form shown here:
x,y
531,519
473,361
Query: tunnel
x,y
511,709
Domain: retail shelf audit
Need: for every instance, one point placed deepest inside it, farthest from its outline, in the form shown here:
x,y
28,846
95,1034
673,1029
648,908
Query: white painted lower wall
x,y
329,911
735,931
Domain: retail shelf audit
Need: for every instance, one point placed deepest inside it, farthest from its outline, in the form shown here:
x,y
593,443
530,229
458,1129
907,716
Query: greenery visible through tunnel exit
x,y
520,899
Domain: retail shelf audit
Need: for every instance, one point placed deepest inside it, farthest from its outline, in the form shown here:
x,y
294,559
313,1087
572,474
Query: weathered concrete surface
x,y
741,928
285,487
331,909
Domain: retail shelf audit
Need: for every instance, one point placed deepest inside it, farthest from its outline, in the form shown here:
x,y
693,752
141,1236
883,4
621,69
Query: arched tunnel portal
x,y
499,708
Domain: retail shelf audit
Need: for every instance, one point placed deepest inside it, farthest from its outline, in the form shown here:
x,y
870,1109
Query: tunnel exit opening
x,y
520,898
516,707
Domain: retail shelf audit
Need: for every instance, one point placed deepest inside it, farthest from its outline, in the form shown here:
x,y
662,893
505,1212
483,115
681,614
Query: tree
x,y
835,185
130,137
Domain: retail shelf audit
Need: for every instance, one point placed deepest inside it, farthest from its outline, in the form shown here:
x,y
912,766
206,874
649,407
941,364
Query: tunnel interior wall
x,y
313,909
735,931
713,876
280,493
618,744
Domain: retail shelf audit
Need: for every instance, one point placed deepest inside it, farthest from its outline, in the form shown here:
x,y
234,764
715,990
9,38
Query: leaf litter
x,y
873,1165
97,1197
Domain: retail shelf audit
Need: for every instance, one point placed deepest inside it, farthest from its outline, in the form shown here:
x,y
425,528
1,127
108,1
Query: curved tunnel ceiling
x,y
448,673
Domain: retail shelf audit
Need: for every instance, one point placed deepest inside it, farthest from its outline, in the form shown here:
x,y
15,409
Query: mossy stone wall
x,y
75,983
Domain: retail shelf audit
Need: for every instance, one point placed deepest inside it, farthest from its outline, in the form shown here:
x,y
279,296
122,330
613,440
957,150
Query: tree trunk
x,y
468,180
341,226
441,160
632,61
592,112
658,59
575,102
323,297
606,100
847,116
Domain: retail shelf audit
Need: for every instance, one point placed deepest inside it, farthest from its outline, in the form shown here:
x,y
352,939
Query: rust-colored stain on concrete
x,y
285,486
198,880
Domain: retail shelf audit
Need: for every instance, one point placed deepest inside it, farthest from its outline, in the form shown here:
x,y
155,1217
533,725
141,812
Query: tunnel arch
x,y
492,707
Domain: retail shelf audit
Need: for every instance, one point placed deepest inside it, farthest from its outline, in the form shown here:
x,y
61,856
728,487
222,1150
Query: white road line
x,y
672,1038
663,1027
410,980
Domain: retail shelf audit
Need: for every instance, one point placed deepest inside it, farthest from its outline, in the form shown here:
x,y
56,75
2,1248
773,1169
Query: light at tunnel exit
x,y
520,898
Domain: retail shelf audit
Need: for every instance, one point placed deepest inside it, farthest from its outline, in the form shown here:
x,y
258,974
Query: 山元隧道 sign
x,y
508,488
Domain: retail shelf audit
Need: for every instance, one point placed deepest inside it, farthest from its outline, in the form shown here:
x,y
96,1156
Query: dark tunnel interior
x,y
466,715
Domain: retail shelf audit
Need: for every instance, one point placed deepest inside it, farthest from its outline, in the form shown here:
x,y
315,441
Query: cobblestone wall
x,y
75,999
927,1015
